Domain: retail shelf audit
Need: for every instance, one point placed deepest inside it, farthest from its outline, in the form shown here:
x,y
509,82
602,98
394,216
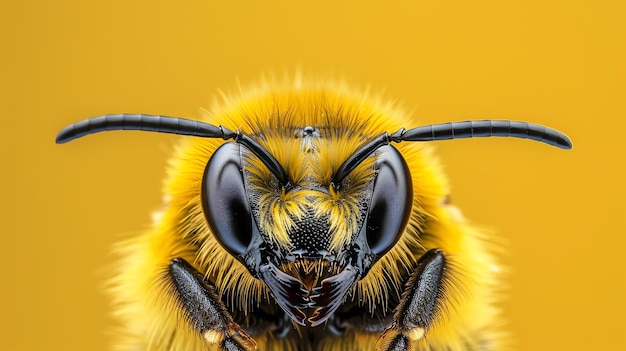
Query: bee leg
x,y
418,306
205,310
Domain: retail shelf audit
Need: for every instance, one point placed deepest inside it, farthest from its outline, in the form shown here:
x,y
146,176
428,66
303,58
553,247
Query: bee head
x,y
311,231
317,232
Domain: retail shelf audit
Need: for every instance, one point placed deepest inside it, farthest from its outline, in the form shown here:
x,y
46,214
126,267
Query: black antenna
x,y
359,156
487,128
173,125
455,130
161,124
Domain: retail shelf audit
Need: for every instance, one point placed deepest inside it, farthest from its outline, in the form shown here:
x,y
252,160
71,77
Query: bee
x,y
304,216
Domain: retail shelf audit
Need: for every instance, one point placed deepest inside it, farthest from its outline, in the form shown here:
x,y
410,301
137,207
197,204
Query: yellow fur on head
x,y
272,112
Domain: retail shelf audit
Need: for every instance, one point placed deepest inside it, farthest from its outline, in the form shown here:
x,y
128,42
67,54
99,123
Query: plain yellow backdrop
x,y
558,63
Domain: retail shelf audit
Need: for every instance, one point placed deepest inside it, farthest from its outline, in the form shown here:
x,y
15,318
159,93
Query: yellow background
x,y
558,63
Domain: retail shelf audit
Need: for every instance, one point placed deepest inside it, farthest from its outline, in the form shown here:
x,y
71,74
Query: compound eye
x,y
390,206
225,201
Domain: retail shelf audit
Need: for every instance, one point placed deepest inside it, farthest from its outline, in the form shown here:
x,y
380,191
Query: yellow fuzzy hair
x,y
144,303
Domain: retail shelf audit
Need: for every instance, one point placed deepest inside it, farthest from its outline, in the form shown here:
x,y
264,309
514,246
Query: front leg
x,y
204,309
418,306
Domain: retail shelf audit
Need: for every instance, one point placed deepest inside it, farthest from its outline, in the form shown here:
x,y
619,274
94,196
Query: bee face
x,y
307,229
311,235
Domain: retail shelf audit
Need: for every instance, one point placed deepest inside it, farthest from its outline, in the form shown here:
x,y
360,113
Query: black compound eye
x,y
390,206
225,201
